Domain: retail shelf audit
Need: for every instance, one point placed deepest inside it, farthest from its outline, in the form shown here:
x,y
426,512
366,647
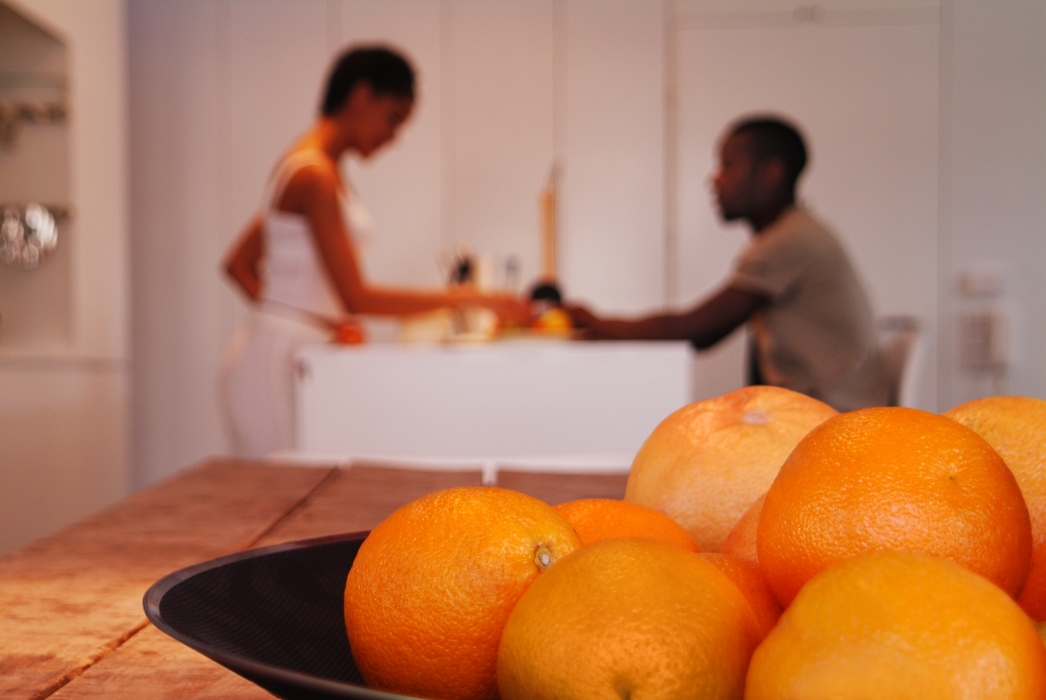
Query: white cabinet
x,y
585,404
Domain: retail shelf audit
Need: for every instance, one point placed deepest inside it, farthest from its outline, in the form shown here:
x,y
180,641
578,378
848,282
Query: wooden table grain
x,y
71,618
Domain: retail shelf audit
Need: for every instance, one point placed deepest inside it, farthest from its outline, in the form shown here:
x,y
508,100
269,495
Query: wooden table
x,y
71,619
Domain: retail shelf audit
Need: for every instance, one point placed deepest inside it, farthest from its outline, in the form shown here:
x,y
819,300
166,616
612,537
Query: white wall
x,y
994,188
178,301
64,395
219,88
614,174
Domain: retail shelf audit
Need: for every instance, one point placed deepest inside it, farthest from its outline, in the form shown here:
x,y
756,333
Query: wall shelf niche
x,y
36,304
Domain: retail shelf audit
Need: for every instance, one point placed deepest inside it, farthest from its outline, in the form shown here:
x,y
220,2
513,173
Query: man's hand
x,y
586,322
582,317
704,325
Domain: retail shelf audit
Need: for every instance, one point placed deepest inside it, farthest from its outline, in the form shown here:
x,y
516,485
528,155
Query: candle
x,y
548,226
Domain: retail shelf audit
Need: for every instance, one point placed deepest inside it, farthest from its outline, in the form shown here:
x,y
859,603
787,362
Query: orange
x,y
748,578
1033,595
902,626
741,540
628,618
553,319
893,478
432,585
1016,427
706,463
597,519
349,332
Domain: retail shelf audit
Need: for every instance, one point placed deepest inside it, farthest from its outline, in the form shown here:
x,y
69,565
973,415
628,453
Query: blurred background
x,y
161,121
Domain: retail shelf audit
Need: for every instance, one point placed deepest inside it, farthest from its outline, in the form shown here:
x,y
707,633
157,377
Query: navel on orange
x,y
432,585
598,519
1015,426
893,478
628,618
901,626
707,462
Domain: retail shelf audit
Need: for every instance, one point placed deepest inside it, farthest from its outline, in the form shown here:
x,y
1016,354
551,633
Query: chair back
x,y
899,349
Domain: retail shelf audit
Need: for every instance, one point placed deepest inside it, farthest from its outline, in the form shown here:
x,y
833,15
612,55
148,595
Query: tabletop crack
x,y
320,486
77,671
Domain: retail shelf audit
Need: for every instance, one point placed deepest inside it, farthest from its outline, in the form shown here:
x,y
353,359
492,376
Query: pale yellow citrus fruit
x,y
706,463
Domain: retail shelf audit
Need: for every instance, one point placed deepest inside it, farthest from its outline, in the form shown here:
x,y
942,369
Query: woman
x,y
297,261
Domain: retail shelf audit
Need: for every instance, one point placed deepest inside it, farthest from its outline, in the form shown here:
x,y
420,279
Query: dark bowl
x,y
274,615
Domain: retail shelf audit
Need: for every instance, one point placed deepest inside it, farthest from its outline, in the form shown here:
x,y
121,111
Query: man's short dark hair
x,y
387,73
771,138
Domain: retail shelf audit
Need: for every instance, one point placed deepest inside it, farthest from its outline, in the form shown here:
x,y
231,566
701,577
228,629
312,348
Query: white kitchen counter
x,y
526,402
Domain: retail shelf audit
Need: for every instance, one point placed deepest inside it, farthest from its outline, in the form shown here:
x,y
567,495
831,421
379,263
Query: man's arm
x,y
704,325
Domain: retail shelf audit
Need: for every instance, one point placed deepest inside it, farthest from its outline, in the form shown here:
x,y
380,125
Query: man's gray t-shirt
x,y
817,334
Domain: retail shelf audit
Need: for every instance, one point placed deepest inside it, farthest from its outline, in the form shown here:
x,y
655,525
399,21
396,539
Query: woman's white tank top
x,y
293,275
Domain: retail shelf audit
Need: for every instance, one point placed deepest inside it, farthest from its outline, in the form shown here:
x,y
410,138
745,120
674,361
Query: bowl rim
x,y
242,665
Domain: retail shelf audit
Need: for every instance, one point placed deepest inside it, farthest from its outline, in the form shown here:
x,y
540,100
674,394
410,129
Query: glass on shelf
x,y
28,235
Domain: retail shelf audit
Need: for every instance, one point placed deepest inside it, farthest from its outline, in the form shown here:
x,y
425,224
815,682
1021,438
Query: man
x,y
810,319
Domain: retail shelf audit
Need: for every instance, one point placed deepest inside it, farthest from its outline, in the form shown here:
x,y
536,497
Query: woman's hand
x,y
513,312
242,261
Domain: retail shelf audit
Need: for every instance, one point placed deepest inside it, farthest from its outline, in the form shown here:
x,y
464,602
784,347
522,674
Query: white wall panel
x,y
995,197
401,186
63,444
99,176
273,62
612,220
178,238
502,135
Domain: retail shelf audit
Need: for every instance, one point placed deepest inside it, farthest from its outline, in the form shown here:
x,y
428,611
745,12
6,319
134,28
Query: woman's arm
x,y
313,192
704,325
241,264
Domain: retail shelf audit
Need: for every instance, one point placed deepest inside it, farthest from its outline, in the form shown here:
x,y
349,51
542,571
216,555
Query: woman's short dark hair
x,y
771,138
387,73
